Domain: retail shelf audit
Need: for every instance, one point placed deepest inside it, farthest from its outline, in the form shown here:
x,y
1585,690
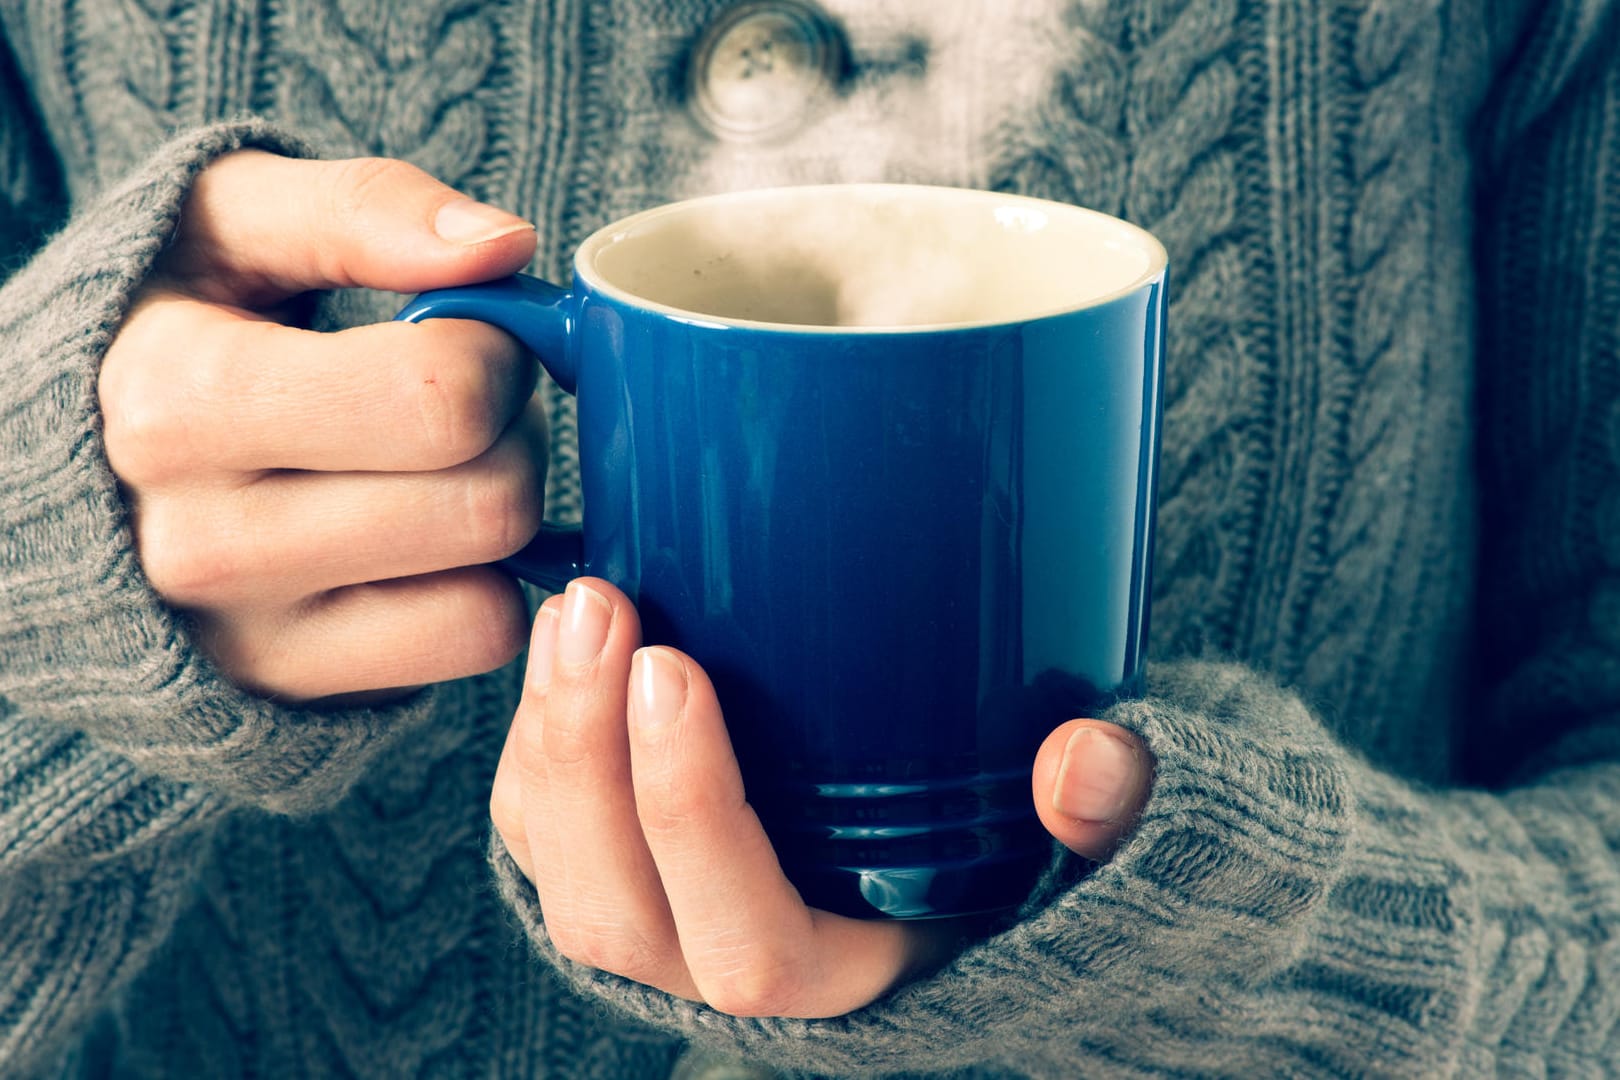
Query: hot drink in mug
x,y
881,458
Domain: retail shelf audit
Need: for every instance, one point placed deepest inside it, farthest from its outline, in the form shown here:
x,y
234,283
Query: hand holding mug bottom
x,y
619,797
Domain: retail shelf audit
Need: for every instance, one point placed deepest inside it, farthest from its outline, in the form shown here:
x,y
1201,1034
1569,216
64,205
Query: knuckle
x,y
502,618
143,426
533,434
453,405
157,407
246,661
573,943
669,804
503,506
764,985
490,605
613,949
566,740
142,446
528,748
182,559
255,654
359,193
359,181
506,811
563,937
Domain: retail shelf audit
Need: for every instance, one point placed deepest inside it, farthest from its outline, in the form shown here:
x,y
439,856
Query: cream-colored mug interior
x,y
869,255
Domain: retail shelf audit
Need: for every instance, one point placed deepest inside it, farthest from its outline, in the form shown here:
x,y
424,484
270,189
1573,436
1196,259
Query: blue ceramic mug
x,y
881,458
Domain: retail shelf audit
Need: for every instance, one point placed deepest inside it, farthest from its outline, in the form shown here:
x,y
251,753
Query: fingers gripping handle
x,y
536,312
541,316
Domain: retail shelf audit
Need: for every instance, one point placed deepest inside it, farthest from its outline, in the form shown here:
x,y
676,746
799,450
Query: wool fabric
x,y
1384,696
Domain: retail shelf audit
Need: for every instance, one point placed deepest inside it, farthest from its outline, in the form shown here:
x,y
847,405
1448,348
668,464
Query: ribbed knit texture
x,y
1385,702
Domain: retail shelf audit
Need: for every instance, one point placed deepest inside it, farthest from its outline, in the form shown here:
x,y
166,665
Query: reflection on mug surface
x,y
882,459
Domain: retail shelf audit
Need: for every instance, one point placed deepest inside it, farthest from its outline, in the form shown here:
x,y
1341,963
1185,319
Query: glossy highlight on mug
x,y
904,552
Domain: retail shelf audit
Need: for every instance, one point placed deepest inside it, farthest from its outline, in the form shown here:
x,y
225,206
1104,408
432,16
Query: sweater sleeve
x,y
1273,888
119,743
85,644
1284,908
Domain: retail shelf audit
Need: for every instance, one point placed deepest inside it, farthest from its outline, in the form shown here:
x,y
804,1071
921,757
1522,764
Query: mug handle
x,y
541,316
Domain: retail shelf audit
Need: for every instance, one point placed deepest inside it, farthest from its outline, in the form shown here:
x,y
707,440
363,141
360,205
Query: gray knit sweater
x,y
1385,702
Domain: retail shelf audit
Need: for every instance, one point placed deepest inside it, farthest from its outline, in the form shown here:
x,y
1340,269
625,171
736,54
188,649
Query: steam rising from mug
x,y
897,257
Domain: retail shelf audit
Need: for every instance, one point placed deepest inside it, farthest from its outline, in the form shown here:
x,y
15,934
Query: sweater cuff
x,y
87,644
1211,915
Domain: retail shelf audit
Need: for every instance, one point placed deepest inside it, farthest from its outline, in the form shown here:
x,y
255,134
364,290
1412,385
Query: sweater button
x,y
762,70
697,1064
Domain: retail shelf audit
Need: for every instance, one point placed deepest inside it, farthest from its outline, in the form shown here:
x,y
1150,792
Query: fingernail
x,y
468,221
585,617
1096,777
658,686
543,647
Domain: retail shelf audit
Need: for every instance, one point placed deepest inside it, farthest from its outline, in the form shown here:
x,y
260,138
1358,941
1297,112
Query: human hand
x,y
324,505
1090,783
619,797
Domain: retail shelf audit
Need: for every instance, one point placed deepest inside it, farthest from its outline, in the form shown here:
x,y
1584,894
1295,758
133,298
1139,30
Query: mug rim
x,y
616,231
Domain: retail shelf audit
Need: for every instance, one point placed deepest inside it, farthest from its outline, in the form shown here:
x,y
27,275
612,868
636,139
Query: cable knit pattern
x,y
1550,388
1382,398
30,194
194,882
1156,116
444,86
348,67
120,743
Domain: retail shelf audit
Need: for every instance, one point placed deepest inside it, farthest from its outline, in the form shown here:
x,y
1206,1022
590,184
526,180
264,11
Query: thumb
x,y
1091,781
258,228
